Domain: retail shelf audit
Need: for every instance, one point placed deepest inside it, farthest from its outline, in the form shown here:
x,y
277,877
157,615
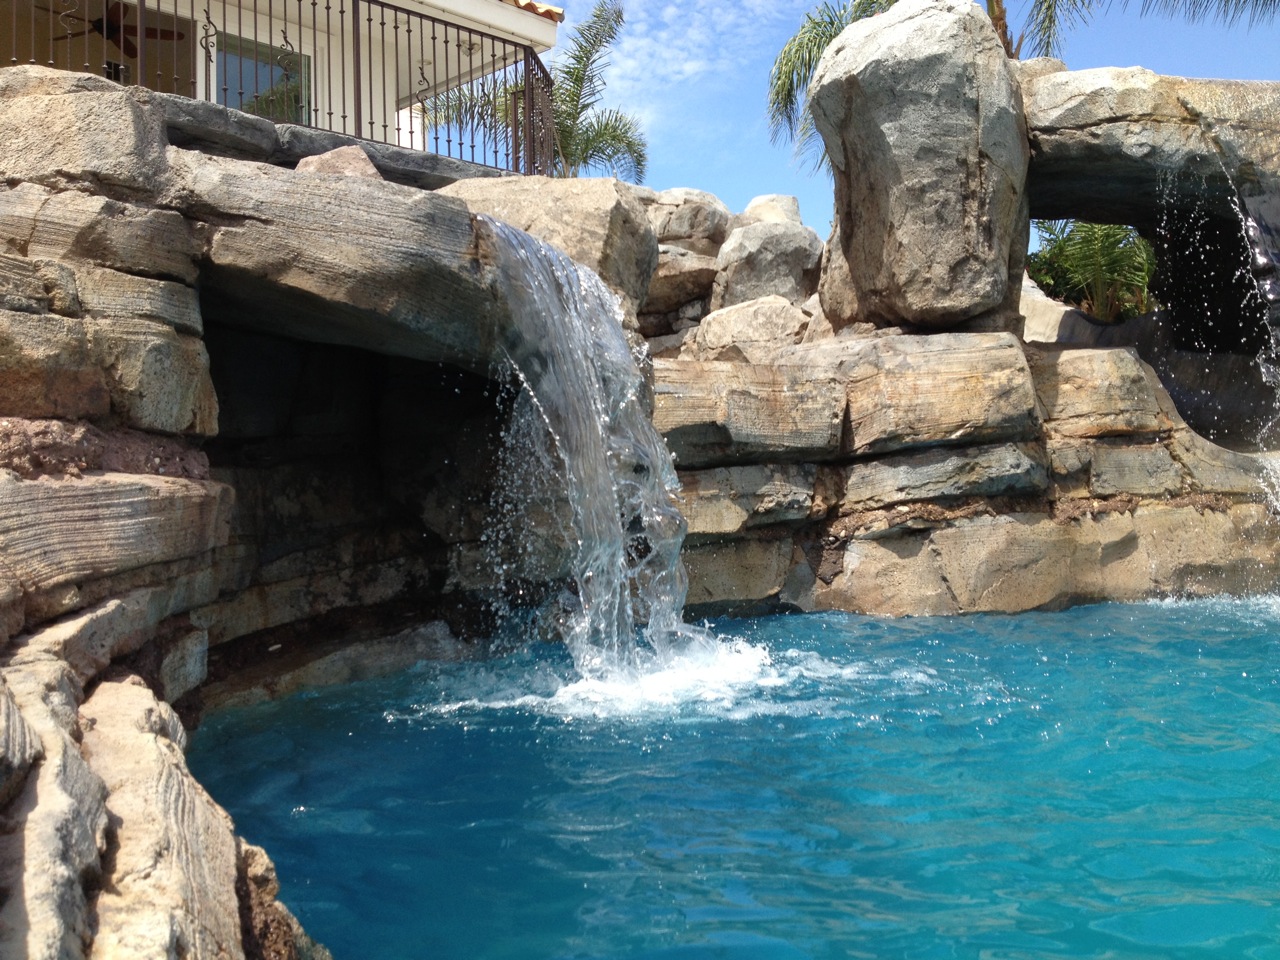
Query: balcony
x,y
470,87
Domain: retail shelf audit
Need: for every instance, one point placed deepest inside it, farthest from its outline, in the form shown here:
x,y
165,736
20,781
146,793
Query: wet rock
x,y
598,222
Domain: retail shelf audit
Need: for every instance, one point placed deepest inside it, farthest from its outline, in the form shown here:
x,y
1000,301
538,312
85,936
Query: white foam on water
x,y
706,677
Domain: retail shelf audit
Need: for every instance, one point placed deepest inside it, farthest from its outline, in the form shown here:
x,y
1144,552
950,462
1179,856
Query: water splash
x,y
584,417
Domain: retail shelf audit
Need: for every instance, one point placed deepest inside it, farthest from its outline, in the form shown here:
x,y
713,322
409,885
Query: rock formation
x,y
923,123
249,435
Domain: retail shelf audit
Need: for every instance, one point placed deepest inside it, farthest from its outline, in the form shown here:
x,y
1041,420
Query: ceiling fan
x,y
111,27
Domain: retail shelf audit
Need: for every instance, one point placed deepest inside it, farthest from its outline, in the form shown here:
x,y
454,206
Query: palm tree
x,y
1102,268
588,137
794,68
1044,30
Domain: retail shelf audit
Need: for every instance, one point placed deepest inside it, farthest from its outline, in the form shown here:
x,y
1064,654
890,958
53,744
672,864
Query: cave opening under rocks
x,y
1205,338
362,481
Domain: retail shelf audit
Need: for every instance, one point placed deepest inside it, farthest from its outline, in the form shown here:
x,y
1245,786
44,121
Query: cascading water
x,y
585,414
1259,213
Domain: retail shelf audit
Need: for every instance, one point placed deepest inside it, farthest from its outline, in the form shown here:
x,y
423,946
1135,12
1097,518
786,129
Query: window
x,y
271,82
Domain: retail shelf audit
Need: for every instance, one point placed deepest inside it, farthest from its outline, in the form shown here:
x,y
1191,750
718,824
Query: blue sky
x,y
696,73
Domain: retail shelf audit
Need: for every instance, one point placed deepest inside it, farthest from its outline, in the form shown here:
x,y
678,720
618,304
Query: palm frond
x,y
1050,20
797,61
578,77
1229,12
609,142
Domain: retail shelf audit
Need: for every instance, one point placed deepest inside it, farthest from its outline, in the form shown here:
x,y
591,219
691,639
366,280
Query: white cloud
x,y
666,46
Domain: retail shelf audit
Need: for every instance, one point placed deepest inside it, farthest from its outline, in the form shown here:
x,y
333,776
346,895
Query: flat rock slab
x,y
731,500
906,392
1016,562
1096,392
717,412
941,472
61,532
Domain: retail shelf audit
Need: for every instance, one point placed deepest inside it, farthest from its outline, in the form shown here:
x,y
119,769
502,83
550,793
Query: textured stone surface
x,y
1006,470
731,500
598,222
37,286
57,533
1016,562
1105,143
1146,469
102,137
349,161
71,226
391,269
963,388
1095,393
48,368
767,258
169,890
736,577
19,746
718,412
56,827
158,379
757,331
114,295
924,127
694,220
681,276
770,208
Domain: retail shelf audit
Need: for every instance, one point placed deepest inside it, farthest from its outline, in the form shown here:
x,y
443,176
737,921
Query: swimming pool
x,y
1100,782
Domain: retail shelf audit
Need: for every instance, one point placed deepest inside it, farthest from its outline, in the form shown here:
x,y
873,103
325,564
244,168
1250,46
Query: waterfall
x,y
1259,214
584,416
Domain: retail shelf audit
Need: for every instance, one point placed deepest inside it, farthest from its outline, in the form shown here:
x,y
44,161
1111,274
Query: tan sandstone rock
x,y
757,331
56,827
1096,393
170,888
964,388
730,500
598,222
717,412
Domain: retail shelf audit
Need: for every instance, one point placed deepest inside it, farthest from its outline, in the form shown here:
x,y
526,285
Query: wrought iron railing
x,y
360,67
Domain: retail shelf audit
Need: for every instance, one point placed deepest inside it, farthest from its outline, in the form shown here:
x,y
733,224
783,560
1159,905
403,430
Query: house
x,y
460,78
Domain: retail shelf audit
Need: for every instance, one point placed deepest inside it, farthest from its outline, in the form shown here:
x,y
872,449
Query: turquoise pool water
x,y
1103,782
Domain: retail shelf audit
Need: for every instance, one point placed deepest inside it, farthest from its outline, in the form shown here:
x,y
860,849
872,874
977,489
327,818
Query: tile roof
x,y
541,9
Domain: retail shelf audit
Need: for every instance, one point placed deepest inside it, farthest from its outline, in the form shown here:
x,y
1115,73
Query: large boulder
x,y
923,124
600,223
694,220
768,257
